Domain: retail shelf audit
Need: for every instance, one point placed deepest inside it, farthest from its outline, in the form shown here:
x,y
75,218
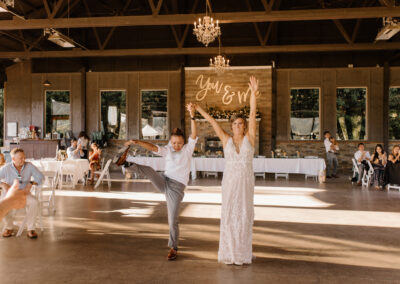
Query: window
x,y
394,109
351,113
113,114
58,112
1,115
154,114
304,114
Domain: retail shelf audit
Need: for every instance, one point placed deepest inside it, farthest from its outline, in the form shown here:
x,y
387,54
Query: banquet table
x,y
305,166
78,167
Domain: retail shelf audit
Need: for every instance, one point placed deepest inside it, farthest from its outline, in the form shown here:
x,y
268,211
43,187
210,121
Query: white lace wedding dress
x,y
237,214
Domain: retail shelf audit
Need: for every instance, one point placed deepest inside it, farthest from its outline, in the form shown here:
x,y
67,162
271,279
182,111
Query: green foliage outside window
x,y
394,113
351,113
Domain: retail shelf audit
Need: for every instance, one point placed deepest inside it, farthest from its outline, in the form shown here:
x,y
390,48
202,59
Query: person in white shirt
x,y
331,152
176,176
75,152
361,157
83,140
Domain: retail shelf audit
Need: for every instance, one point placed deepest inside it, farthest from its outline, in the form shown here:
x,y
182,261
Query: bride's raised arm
x,y
253,84
222,135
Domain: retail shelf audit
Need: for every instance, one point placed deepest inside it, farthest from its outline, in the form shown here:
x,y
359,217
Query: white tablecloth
x,y
77,167
267,165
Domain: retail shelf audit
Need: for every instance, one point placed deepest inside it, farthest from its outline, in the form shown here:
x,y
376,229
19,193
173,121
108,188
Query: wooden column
x,y
385,105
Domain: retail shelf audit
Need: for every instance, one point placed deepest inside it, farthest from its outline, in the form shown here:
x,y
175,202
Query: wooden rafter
x,y
224,18
388,3
111,32
204,51
155,9
96,34
343,31
181,41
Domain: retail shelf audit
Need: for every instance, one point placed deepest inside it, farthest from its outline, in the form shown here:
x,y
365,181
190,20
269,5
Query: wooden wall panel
x,y
227,92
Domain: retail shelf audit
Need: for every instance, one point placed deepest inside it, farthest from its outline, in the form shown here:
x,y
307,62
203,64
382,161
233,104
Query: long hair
x,y
376,155
395,146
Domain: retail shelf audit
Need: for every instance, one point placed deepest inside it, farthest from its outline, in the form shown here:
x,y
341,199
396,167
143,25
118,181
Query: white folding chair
x,y
24,221
366,179
104,172
393,186
283,175
211,173
48,186
67,170
356,171
260,175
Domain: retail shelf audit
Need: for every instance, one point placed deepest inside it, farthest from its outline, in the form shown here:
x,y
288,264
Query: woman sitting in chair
x,y
94,160
379,160
392,171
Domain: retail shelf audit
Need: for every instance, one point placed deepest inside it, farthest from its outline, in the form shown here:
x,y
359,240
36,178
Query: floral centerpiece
x,y
217,113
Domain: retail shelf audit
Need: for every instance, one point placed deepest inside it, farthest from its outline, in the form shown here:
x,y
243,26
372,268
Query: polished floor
x,y
304,232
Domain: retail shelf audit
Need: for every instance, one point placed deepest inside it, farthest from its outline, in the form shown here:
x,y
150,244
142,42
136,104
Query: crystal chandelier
x,y
219,62
206,30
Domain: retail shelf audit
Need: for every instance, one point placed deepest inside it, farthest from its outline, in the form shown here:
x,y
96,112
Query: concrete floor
x,y
304,232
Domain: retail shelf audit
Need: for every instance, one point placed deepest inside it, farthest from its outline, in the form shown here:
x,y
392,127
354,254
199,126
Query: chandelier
x,y
219,62
206,30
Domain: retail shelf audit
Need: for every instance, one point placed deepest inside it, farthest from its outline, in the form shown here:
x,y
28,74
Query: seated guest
x,y
94,160
361,157
379,161
14,199
394,157
2,160
75,151
83,140
22,171
392,170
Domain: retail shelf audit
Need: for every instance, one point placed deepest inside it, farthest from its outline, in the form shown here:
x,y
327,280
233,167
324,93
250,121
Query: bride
x,y
237,214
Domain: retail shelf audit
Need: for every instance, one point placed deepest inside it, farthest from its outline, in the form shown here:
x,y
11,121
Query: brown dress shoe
x,y
7,233
32,234
172,254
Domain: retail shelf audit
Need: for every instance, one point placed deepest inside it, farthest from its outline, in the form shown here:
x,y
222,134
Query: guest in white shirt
x,y
176,176
331,152
75,151
361,157
83,140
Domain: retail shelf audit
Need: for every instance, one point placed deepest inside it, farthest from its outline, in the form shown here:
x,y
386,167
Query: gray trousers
x,y
331,168
361,169
174,192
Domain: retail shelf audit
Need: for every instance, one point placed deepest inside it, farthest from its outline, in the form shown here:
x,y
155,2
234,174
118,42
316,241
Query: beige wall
x,y
236,80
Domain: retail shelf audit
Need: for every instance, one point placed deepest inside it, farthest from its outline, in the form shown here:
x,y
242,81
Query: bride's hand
x,y
253,85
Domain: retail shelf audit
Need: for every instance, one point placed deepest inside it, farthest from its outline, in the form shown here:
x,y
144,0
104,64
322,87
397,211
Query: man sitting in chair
x,y
75,152
23,172
361,157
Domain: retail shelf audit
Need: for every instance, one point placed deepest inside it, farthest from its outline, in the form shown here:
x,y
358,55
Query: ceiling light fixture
x,y
390,28
206,30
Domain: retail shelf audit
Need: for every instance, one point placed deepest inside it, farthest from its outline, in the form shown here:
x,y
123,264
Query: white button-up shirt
x,y
327,143
358,155
177,164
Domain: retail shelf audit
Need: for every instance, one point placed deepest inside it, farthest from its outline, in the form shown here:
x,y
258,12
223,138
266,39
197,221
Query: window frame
x,y
319,112
45,108
366,112
391,87
126,110
140,114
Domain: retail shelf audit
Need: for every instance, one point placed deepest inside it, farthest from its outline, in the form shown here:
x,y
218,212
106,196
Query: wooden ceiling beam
x,y
205,51
224,18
